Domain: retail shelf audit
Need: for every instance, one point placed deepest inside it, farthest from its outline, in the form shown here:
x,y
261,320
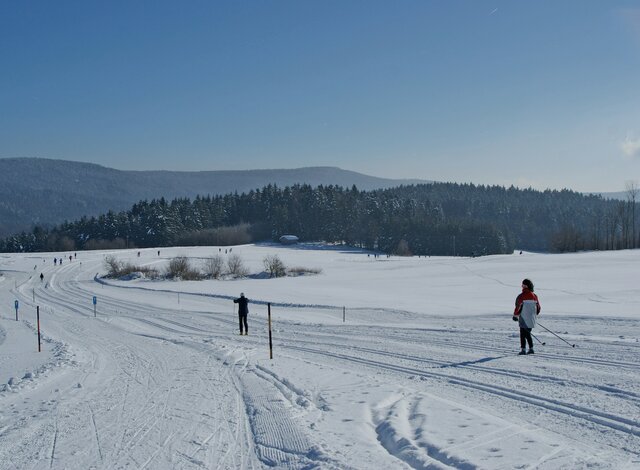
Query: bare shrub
x,y
148,272
180,268
274,265
236,266
113,266
214,267
117,268
300,271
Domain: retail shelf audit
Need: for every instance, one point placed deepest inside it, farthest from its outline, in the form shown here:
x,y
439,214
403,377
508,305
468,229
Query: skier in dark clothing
x,y
526,311
243,310
41,277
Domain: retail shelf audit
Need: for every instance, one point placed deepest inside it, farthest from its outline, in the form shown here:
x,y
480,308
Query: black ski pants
x,y
242,317
525,336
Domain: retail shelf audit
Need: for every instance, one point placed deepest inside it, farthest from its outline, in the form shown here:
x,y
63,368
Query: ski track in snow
x,y
149,386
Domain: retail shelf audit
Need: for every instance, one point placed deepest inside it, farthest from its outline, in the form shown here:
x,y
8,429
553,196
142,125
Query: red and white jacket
x,y
527,308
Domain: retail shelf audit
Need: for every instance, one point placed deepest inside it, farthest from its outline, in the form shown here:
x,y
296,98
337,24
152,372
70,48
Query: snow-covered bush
x,y
236,266
180,268
113,266
117,269
214,267
274,266
300,271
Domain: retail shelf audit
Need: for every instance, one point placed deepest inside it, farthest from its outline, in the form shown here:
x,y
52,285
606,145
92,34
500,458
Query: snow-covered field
x,y
424,372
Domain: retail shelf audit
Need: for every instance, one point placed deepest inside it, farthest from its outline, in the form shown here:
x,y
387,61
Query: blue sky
x,y
531,93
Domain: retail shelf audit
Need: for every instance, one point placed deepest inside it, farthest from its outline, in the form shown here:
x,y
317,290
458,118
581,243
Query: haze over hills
x,y
47,192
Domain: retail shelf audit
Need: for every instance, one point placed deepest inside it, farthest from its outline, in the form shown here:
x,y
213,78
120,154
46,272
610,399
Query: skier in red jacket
x,y
527,309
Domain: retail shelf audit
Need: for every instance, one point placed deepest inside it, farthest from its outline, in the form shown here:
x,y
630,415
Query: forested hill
x,y
35,191
438,218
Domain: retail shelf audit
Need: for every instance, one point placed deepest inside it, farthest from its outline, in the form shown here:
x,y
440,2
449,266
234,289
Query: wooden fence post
x,y
38,316
270,342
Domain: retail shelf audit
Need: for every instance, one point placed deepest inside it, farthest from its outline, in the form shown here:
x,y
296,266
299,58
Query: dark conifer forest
x,y
427,219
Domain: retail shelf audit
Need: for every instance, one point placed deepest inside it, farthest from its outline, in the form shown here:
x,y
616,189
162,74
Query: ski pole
x,y
572,345
541,342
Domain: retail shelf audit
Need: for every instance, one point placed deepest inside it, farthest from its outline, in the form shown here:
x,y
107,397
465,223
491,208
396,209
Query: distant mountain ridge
x,y
48,192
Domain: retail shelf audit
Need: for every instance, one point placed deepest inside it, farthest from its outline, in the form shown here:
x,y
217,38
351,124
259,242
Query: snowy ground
x,y
422,374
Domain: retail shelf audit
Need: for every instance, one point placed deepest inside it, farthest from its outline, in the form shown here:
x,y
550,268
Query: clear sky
x,y
540,93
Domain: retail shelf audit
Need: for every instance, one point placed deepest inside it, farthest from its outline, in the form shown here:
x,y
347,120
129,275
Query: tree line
x,y
427,219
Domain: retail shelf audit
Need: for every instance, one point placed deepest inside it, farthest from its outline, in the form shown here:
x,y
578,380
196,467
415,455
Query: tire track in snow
x,y
391,424
474,346
581,360
608,420
498,349
220,296
158,450
277,439
406,426
114,347
243,436
130,362
296,396
473,365
95,429
204,427
55,441
442,364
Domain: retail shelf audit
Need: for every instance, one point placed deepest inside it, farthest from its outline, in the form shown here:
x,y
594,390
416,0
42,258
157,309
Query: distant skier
x,y
41,277
70,258
55,261
243,311
525,313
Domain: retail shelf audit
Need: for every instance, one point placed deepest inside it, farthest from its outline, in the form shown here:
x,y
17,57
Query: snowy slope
x,y
422,374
